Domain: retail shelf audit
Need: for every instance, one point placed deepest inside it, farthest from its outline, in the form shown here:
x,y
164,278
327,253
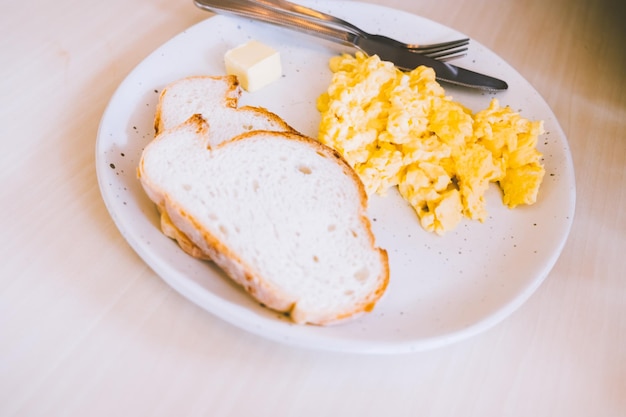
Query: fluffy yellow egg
x,y
400,129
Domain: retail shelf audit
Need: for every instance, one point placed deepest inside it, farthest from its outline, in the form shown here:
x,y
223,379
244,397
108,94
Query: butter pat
x,y
255,65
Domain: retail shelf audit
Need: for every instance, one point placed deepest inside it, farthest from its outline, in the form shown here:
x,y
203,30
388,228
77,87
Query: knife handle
x,y
307,12
285,18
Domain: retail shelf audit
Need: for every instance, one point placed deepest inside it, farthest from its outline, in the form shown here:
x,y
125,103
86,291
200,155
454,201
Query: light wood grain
x,y
86,328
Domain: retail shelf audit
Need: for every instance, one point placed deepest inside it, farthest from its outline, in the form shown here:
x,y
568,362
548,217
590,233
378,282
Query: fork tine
x,y
439,47
447,55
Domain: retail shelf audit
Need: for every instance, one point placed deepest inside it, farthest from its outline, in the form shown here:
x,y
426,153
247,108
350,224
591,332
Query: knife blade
x,y
443,71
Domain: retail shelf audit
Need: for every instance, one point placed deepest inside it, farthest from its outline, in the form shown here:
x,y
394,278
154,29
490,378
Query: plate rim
x,y
238,319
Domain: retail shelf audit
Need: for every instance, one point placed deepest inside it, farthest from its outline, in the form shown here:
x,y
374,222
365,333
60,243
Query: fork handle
x,y
271,14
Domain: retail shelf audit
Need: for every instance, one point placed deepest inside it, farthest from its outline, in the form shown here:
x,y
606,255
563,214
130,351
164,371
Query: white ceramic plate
x,y
442,289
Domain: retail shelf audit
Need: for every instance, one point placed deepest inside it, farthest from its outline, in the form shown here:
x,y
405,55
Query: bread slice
x,y
216,99
281,214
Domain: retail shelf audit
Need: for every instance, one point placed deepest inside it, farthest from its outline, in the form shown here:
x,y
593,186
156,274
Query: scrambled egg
x,y
400,129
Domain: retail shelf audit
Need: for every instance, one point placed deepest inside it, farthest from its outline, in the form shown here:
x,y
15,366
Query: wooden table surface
x,y
87,328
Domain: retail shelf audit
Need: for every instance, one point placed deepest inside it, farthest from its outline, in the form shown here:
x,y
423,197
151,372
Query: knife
x,y
403,58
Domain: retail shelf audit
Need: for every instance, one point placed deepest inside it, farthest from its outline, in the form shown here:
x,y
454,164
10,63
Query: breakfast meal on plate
x,y
400,129
283,215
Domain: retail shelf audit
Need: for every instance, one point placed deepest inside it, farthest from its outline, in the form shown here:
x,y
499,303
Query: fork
x,y
444,50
